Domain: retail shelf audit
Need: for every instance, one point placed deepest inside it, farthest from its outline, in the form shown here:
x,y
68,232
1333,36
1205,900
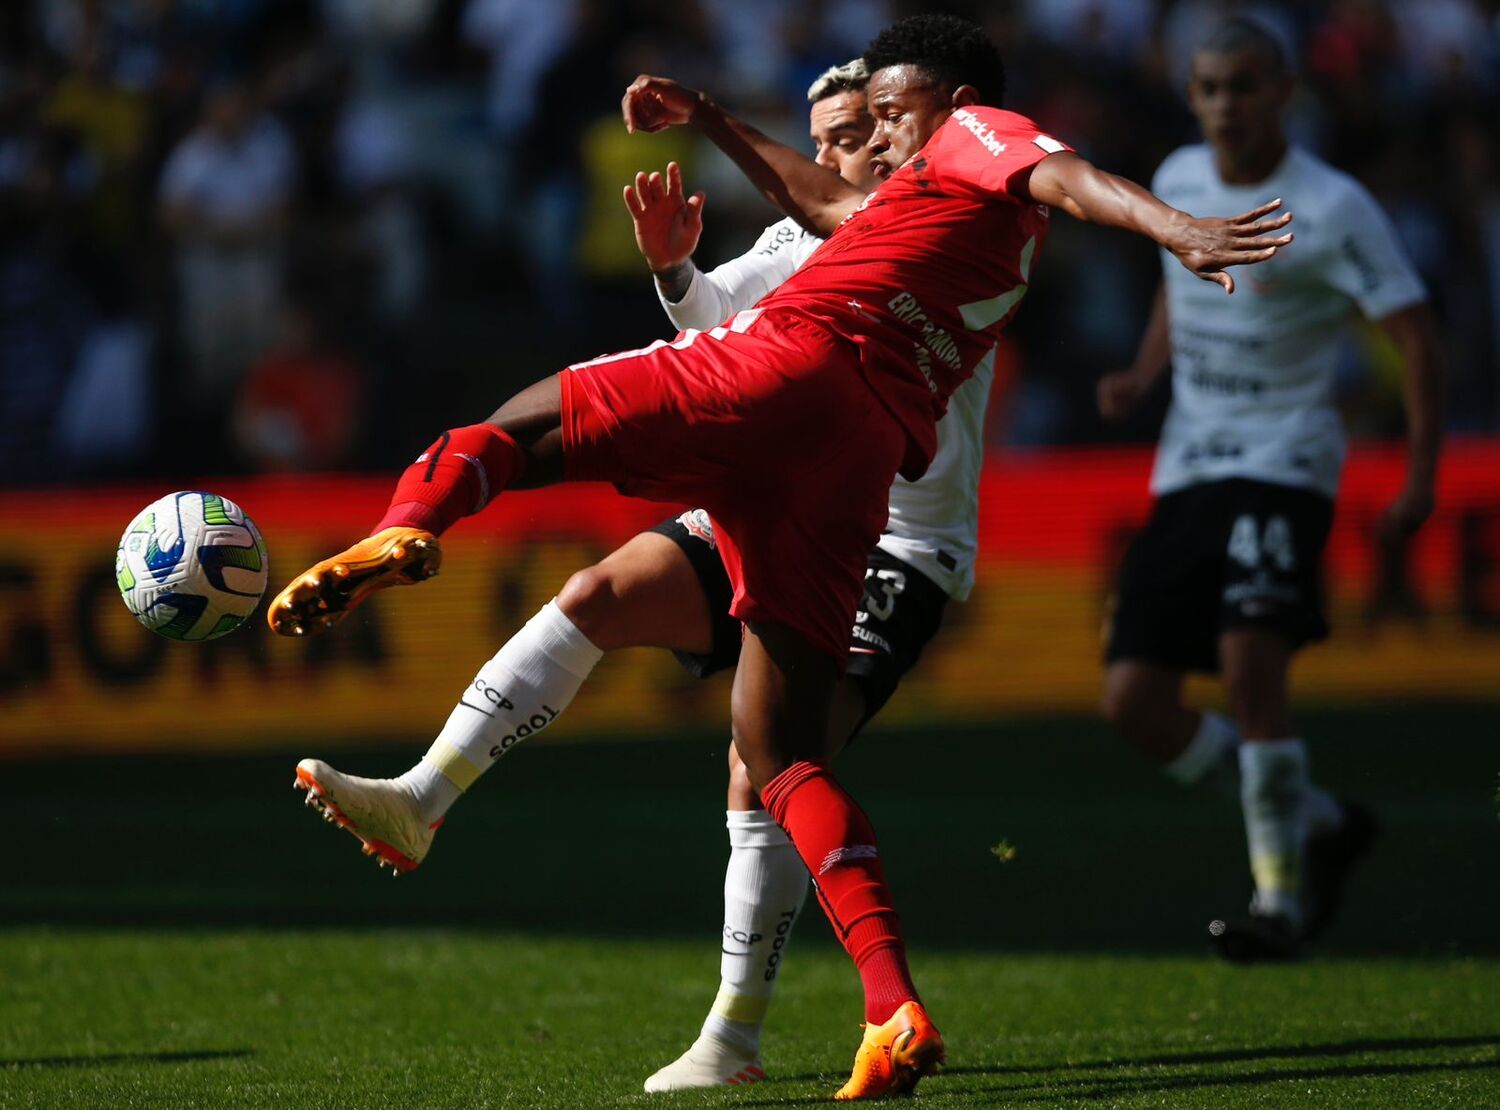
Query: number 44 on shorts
x,y
1249,542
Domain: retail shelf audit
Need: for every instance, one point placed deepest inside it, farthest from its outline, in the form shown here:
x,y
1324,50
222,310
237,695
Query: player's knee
x,y
1239,697
742,795
590,601
1126,705
1256,698
755,769
1244,687
1112,704
1258,705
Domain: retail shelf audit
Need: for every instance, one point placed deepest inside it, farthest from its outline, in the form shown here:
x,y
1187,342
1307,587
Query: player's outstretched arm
x,y
1413,332
815,197
1205,245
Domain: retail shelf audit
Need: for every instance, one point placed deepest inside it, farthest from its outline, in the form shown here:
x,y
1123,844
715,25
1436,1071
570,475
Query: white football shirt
x,y
934,521
1252,374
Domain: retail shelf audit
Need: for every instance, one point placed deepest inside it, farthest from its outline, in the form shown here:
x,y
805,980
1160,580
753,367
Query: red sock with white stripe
x,y
837,843
454,478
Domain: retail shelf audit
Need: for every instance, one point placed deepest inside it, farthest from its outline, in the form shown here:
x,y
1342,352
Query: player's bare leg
x,y
765,888
645,594
783,695
1143,700
519,446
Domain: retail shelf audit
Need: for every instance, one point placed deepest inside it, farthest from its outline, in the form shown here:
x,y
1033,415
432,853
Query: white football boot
x,y
380,812
708,1062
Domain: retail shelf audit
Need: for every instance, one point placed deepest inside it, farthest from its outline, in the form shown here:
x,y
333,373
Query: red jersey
x,y
927,271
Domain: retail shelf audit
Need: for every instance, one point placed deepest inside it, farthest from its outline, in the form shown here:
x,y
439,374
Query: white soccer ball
x,y
192,566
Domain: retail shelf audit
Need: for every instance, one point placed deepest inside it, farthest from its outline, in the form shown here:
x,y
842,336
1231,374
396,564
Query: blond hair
x,y
849,77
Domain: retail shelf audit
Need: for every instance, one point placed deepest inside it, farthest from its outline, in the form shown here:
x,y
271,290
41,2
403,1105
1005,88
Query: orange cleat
x,y
319,598
894,1056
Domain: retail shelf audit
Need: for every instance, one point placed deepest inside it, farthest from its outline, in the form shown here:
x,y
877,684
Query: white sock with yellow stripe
x,y
517,694
765,885
1273,793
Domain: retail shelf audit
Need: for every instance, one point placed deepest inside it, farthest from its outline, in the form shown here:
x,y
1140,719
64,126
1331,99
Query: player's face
x,y
840,129
907,106
1238,99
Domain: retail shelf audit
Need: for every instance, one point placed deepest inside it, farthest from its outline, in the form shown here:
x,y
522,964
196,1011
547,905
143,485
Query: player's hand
x,y
1207,246
1408,512
1119,392
667,221
656,103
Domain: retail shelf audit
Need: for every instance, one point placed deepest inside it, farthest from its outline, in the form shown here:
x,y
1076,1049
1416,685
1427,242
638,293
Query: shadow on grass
x,y
1231,1055
1127,1085
1145,1085
108,1059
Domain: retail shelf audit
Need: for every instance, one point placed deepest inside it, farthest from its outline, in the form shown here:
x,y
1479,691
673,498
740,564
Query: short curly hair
x,y
951,50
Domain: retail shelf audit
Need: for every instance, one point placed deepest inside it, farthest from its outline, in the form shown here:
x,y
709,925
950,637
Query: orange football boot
x,y
893,1056
318,599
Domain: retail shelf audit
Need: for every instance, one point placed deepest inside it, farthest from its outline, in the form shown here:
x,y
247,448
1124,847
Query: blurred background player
x,y
864,339
1226,575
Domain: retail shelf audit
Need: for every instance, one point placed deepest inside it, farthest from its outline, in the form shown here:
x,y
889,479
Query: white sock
x,y
764,887
1273,792
516,694
1207,751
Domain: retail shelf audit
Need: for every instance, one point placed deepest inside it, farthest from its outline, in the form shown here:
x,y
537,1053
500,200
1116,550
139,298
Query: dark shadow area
x,y
1095,1088
1124,1087
1267,1052
1225,1056
626,838
110,1059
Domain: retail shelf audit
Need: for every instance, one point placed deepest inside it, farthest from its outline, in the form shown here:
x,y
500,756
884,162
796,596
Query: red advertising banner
x,y
77,672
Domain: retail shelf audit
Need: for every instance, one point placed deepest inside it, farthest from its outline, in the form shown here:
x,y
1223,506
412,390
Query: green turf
x,y
433,1017
180,932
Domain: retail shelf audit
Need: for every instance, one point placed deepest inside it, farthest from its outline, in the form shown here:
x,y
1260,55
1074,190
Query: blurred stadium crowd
x,y
249,235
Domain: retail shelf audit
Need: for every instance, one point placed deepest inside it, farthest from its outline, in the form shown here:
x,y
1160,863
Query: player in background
x,y
871,337
1225,577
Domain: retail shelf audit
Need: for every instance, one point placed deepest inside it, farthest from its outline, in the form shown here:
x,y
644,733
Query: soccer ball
x,y
191,566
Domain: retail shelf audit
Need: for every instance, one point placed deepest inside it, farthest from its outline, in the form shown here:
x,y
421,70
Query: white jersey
x,y
934,521
1252,374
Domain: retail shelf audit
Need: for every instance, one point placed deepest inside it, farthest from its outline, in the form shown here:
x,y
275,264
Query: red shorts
x,y
767,423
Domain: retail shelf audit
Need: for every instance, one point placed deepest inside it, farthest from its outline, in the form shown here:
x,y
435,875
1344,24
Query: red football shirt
x,y
925,274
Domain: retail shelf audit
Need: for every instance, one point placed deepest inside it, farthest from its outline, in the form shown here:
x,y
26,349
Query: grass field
x,y
180,932
405,1017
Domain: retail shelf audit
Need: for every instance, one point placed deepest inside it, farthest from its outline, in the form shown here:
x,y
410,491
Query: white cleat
x,y
708,1062
380,812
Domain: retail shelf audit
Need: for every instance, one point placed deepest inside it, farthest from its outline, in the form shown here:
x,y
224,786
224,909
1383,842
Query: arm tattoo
x,y
674,280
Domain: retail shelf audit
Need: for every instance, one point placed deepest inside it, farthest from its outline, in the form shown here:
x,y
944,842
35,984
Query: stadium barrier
x,y
77,672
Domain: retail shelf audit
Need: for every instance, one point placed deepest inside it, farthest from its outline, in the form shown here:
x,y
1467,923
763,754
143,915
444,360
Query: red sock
x,y
453,478
837,843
